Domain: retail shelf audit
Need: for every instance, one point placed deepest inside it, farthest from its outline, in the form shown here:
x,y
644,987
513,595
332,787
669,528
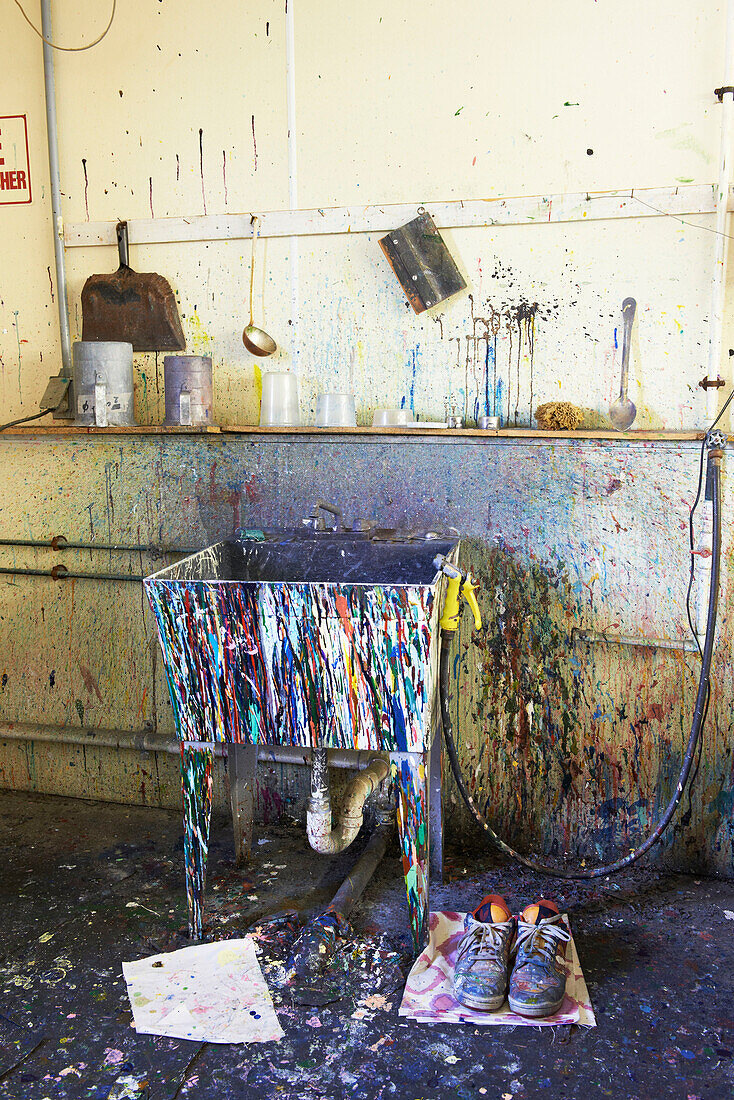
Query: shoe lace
x,y
485,941
540,940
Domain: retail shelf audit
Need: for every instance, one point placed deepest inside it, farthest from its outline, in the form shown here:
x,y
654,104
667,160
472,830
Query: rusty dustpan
x,y
137,307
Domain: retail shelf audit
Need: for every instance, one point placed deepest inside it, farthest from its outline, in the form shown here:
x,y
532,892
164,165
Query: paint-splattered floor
x,y
85,885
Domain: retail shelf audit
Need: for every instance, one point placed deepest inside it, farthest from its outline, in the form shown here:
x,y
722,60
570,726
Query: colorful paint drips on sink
x,y
299,664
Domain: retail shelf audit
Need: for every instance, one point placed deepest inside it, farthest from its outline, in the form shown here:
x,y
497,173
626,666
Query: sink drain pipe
x,y
321,836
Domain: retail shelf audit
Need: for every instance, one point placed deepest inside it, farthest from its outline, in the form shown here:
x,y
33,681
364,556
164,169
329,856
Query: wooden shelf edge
x,y
77,431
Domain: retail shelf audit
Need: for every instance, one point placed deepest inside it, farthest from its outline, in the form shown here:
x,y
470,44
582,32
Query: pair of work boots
x,y
484,973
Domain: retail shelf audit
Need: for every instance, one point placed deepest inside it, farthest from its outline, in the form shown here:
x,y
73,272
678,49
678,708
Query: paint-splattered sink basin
x,y
330,641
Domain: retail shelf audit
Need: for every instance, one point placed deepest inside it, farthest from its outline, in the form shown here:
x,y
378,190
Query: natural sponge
x,y
557,416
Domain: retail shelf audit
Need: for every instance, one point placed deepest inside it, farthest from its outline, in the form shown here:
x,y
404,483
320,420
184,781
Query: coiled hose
x,y
715,457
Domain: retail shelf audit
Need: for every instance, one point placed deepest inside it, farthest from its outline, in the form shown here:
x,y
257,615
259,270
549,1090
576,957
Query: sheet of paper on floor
x,y
429,990
213,992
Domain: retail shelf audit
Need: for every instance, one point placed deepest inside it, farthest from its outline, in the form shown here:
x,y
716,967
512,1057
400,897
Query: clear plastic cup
x,y
335,410
391,418
279,404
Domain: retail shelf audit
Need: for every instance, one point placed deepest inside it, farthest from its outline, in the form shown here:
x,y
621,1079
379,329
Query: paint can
x,y
103,383
489,423
189,389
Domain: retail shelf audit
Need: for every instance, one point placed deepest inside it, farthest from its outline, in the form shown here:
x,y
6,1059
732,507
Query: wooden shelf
x,y
77,431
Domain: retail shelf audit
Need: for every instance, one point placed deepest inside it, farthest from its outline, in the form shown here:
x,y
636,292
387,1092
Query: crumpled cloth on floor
x,y
429,990
213,993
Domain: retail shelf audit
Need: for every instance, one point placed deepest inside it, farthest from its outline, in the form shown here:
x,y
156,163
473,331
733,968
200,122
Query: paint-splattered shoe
x,y
538,979
483,955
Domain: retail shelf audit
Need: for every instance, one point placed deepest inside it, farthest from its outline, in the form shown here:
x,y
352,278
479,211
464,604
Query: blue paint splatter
x,y
414,357
497,410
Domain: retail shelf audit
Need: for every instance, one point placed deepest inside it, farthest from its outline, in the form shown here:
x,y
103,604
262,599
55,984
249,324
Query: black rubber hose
x,y
696,723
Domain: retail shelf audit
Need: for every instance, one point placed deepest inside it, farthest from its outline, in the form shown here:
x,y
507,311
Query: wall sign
x,y
15,165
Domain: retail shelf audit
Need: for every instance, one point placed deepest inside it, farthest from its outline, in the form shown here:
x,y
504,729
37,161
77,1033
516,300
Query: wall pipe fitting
x,y
321,836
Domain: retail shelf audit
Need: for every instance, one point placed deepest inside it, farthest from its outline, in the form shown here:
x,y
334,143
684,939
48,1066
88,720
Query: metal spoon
x,y
255,339
622,411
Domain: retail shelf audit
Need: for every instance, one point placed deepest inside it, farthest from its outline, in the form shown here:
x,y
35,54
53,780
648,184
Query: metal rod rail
x,y
143,740
592,637
59,542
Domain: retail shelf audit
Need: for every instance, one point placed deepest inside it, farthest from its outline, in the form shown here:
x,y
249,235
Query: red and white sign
x,y
15,165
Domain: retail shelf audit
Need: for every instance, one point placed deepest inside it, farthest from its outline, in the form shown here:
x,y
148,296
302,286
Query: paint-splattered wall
x,y
572,746
181,112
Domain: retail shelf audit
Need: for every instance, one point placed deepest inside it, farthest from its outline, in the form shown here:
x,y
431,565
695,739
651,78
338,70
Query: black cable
x,y
699,713
691,579
25,419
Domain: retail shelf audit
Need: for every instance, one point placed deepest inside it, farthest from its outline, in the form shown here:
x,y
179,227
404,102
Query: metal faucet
x,y
316,520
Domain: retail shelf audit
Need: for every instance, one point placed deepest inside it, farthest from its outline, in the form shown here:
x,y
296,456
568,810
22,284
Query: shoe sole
x,y
483,1006
527,1010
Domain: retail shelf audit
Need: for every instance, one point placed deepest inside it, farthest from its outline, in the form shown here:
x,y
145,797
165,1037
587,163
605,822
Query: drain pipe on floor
x,y
321,836
320,939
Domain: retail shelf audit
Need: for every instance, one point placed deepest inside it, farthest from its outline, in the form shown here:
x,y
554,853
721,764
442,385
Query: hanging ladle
x,y
255,339
622,411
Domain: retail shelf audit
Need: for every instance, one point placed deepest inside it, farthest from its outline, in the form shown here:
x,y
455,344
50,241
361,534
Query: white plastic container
x,y
335,410
279,404
391,418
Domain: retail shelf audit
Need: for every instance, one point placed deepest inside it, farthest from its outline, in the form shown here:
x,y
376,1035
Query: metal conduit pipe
x,y
55,182
59,542
145,741
321,836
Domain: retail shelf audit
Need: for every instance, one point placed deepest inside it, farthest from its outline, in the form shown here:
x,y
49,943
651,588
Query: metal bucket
x,y
103,382
189,391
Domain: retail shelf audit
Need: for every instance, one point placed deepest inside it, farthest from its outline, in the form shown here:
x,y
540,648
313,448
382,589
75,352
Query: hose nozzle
x,y
460,585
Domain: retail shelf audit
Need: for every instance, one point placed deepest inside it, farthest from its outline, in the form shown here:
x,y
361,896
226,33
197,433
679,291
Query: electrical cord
x,y
67,49
699,713
26,419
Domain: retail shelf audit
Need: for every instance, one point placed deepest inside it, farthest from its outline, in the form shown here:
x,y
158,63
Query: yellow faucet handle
x,y
451,609
468,589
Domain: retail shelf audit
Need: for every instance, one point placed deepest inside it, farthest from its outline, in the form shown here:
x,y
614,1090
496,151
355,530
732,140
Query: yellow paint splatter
x,y
258,381
201,341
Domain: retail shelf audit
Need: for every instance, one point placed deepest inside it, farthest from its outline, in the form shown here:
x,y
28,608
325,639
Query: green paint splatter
x,y
80,710
458,112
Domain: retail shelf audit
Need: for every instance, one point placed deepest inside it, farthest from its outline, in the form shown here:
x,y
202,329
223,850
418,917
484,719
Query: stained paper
x,y
213,992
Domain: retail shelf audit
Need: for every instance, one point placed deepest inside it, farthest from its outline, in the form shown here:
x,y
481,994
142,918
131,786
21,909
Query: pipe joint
x,y
322,836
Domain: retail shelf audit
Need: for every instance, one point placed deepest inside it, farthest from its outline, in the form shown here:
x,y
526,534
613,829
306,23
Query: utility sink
x,y
328,640
318,639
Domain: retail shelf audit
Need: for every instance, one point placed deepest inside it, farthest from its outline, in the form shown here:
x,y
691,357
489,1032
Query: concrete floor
x,y
85,885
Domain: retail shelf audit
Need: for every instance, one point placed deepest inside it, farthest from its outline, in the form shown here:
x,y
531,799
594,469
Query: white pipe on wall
x,y
718,287
290,92
53,168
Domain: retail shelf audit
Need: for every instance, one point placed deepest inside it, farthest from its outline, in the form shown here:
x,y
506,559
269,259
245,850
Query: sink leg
x,y
241,768
409,770
435,808
196,780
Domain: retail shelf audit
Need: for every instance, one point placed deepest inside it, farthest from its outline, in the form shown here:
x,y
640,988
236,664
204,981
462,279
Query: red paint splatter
x,y
90,683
